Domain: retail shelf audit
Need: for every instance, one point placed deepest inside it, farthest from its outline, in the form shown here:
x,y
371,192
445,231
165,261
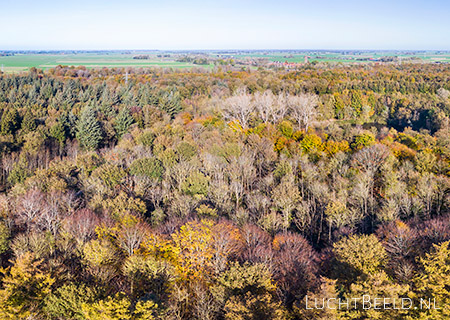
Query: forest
x,y
224,194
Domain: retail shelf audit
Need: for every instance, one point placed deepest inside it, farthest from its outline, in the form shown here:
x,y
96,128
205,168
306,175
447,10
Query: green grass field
x,y
336,57
23,62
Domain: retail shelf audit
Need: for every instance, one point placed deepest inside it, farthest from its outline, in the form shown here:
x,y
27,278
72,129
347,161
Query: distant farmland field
x,y
22,62
350,57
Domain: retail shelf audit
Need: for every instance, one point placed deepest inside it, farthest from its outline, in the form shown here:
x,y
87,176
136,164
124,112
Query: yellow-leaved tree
x,y
23,288
433,285
193,243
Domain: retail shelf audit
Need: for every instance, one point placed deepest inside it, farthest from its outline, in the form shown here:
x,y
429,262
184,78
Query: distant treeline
x,y
142,57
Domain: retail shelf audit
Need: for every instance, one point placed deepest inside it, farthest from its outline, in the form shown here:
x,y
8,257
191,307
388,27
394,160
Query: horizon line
x,y
218,50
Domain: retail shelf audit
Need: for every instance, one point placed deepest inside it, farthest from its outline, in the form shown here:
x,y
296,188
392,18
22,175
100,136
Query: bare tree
x,y
303,109
262,152
50,217
281,108
285,196
256,246
131,237
443,93
178,173
225,243
427,190
68,201
239,107
220,194
370,159
205,306
295,265
270,108
263,104
82,224
30,207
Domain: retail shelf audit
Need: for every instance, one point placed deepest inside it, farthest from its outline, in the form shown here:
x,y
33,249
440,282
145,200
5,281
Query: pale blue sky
x,y
232,24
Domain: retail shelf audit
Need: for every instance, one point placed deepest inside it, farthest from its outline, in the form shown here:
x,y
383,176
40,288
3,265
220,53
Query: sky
x,y
230,24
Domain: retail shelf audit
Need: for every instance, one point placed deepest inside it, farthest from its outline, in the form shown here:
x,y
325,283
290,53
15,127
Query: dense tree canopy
x,y
223,194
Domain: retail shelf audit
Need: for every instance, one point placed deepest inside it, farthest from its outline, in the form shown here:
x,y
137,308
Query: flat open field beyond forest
x,y
24,61
248,192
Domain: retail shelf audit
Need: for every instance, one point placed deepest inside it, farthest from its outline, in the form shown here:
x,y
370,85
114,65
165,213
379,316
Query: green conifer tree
x,y
58,132
28,122
89,132
123,122
10,121
170,102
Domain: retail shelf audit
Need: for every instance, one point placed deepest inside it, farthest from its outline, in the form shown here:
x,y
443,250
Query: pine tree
x,y
70,123
10,121
123,122
58,132
89,132
28,122
170,102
